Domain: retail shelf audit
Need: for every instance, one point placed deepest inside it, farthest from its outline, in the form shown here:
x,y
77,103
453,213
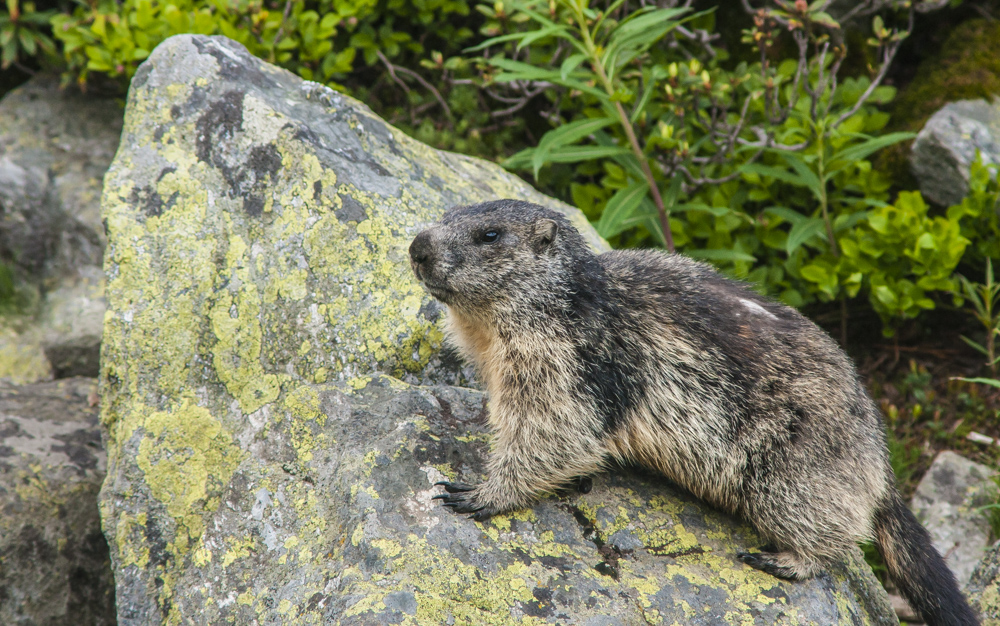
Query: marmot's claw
x,y
750,558
765,562
459,503
482,515
451,487
460,500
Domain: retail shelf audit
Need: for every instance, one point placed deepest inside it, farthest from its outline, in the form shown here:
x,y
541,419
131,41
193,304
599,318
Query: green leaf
x,y
776,173
625,160
974,345
638,32
570,64
565,135
721,254
789,215
27,42
620,208
574,131
803,232
519,160
814,273
993,382
717,211
886,296
861,151
574,154
926,241
808,176
516,70
649,87
535,35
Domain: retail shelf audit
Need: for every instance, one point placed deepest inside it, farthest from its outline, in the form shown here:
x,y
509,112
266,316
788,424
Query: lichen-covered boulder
x,y
984,587
946,147
54,562
261,470
55,146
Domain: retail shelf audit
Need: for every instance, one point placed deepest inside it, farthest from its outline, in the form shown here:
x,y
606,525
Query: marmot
x,y
649,357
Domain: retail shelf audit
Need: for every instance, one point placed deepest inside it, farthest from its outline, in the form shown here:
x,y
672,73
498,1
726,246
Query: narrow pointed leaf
x,y
570,64
993,382
620,207
806,174
789,215
861,151
574,154
776,173
572,132
720,254
803,232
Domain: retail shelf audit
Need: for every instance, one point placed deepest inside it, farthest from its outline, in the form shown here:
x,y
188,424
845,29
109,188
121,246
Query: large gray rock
x,y
947,145
262,472
55,146
948,502
54,562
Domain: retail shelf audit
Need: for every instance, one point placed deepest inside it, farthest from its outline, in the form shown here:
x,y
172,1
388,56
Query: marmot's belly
x,y
691,453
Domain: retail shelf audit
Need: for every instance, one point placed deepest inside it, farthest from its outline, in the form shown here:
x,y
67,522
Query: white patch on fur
x,y
756,308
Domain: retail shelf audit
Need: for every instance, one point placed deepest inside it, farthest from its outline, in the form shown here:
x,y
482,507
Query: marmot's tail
x,y
917,568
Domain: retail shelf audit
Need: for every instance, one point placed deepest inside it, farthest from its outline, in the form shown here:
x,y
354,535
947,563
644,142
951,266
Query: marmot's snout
x,y
421,254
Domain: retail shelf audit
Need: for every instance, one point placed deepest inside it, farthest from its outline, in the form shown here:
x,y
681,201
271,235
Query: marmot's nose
x,y
420,249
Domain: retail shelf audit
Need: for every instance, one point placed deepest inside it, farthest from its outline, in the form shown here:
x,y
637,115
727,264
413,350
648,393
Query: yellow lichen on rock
x,y
186,456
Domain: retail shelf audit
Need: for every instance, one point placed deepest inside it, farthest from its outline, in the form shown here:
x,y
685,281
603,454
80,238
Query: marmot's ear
x,y
545,234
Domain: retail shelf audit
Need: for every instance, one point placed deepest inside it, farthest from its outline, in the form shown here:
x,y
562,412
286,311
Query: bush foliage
x,y
759,160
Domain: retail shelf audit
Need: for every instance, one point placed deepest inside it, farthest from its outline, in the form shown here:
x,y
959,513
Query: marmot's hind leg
x,y
787,565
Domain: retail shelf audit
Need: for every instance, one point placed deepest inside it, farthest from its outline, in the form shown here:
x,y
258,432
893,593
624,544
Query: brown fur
x,y
656,359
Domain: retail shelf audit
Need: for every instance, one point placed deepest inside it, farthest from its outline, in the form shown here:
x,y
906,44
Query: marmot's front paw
x,y
460,499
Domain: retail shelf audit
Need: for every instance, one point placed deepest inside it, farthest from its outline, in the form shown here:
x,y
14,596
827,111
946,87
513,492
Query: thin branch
x,y
528,97
420,79
284,20
888,55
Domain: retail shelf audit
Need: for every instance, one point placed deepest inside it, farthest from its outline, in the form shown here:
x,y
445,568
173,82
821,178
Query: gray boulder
x,y
948,503
277,406
946,147
55,146
54,562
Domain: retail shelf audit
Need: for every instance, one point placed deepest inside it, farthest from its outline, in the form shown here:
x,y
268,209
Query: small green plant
x,y
603,49
22,33
985,300
992,510
904,254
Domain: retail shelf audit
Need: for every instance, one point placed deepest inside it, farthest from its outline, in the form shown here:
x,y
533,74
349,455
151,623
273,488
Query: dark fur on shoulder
x,y
648,357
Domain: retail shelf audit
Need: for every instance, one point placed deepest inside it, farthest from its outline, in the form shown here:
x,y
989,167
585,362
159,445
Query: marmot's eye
x,y
489,236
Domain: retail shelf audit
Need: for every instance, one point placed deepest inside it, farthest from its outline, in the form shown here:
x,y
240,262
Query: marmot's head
x,y
503,251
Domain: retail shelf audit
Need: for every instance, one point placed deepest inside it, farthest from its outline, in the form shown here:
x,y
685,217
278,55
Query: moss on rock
x,y
968,68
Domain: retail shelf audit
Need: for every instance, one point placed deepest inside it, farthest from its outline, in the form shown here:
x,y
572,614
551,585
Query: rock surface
x,y
54,562
984,587
261,472
946,147
947,502
55,147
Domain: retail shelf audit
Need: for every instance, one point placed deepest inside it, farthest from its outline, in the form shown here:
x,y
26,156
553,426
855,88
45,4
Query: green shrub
x,y
788,200
630,112
316,40
22,33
